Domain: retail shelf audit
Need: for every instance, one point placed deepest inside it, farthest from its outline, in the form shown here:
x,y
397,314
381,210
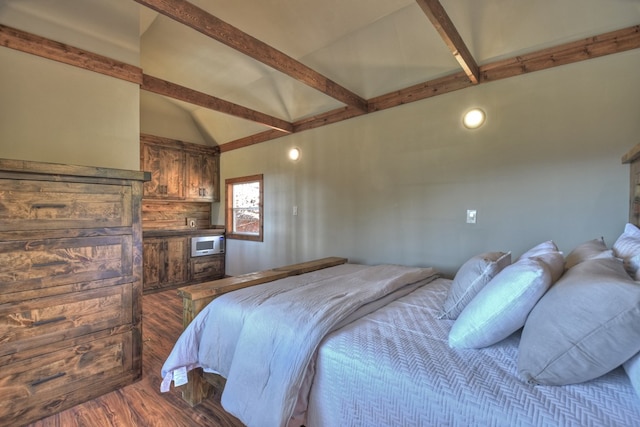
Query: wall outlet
x,y
191,222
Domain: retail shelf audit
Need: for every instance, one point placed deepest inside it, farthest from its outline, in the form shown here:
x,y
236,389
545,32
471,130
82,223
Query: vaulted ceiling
x,y
290,65
253,70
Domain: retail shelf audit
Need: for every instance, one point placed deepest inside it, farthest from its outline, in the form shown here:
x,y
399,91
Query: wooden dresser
x,y
70,285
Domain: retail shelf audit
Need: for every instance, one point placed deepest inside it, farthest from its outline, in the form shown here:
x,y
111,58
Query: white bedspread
x,y
394,367
280,336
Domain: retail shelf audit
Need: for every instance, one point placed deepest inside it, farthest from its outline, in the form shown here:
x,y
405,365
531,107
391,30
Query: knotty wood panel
x,y
157,215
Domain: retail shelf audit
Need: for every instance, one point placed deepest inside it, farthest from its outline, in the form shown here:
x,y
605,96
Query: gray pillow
x,y
583,327
470,278
587,250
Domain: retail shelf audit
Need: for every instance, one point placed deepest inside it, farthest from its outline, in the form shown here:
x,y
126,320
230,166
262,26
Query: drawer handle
x,y
48,264
49,378
48,205
47,321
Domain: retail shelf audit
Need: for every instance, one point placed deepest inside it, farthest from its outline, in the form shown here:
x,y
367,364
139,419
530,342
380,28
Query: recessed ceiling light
x,y
473,118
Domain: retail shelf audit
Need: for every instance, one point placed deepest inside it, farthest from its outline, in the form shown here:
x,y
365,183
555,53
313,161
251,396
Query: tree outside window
x,y
244,218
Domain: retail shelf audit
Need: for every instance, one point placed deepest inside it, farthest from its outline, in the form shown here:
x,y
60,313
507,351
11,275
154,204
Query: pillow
x,y
592,249
540,249
548,252
583,327
502,306
470,278
627,247
632,367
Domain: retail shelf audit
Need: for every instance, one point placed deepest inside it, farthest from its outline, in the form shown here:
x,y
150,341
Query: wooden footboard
x,y
196,297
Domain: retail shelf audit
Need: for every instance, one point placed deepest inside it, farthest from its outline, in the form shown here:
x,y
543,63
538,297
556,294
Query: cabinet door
x,y
200,170
176,253
167,171
165,262
152,262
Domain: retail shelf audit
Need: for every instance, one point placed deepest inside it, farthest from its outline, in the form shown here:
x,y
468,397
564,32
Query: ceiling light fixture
x,y
474,118
294,154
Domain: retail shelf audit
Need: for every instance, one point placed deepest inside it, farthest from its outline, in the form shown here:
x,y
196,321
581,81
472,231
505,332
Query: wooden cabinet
x,y
166,165
70,286
179,170
201,168
165,262
168,262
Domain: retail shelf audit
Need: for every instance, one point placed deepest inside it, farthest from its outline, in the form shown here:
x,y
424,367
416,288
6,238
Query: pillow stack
x,y
580,316
502,305
587,324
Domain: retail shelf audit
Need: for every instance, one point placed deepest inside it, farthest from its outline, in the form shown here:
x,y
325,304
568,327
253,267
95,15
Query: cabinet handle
x,y
48,205
48,264
49,378
52,320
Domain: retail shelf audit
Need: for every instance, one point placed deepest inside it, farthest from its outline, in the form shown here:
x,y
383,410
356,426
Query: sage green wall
x,y
53,112
394,186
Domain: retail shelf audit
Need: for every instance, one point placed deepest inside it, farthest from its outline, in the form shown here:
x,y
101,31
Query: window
x,y
244,218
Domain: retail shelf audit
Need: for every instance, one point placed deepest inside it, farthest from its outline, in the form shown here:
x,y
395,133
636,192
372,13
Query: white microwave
x,y
207,245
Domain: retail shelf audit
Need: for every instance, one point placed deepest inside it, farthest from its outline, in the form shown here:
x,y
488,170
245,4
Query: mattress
x,y
394,367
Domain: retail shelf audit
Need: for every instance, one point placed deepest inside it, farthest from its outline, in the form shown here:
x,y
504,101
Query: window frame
x,y
229,184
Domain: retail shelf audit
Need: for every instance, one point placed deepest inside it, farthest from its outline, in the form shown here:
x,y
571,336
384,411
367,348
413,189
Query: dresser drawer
x,y
43,321
37,264
30,383
38,205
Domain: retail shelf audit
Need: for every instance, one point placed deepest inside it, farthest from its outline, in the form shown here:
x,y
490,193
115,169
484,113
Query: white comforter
x,y
265,355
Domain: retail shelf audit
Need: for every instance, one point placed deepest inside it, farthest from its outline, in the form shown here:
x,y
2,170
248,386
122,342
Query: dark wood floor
x,y
141,404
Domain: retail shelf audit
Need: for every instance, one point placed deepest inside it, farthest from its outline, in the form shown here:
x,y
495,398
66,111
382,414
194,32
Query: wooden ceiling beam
x,y
46,48
449,33
175,91
568,53
420,91
592,47
211,26
257,138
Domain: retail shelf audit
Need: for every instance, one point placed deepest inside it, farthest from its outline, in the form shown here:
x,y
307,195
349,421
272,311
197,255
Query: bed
x,y
414,354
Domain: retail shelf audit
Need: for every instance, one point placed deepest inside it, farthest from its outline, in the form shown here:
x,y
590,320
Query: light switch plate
x,y
471,216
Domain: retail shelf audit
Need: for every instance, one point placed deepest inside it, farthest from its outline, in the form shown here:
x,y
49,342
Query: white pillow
x,y
547,252
585,326
470,278
587,250
627,247
502,306
632,367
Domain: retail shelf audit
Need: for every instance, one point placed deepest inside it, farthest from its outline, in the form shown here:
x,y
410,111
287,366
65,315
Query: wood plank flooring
x,y
141,404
